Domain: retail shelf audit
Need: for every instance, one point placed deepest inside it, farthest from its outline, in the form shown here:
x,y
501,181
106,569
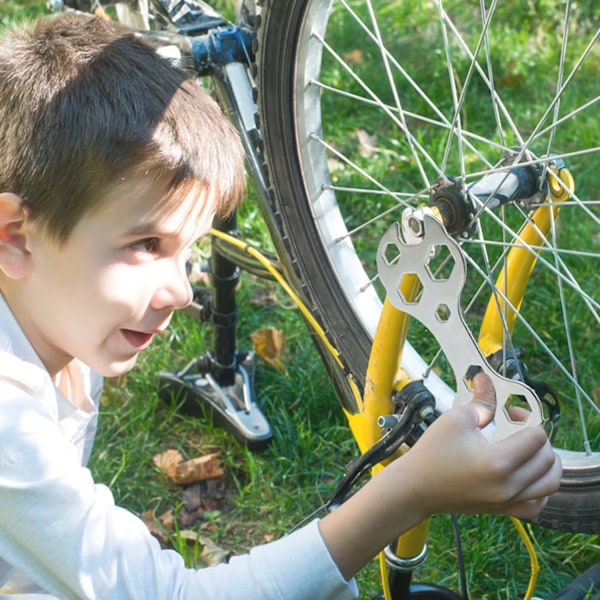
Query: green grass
x,y
267,493
15,10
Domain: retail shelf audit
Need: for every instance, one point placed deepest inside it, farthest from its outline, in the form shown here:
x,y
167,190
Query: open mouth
x,y
138,339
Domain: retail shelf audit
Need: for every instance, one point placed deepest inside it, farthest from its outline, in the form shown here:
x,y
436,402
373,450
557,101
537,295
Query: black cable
x,y
460,558
359,467
385,447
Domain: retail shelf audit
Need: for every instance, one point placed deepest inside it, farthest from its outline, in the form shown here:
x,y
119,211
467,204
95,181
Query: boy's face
x,y
103,295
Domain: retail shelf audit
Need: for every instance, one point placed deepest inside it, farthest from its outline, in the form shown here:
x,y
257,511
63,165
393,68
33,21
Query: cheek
x,y
120,284
127,290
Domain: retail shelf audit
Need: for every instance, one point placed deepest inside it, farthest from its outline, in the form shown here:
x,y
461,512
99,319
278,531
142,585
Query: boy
x,y
112,164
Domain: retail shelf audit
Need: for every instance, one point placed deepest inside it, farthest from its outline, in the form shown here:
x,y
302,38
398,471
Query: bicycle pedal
x,y
231,405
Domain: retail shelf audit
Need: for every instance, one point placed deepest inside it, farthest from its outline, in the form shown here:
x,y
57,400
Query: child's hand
x,y
458,470
451,469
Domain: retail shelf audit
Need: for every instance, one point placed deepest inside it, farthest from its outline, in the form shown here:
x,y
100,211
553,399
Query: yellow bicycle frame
x,y
384,373
501,313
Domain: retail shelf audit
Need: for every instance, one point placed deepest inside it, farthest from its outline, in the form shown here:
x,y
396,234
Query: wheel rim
x,y
404,131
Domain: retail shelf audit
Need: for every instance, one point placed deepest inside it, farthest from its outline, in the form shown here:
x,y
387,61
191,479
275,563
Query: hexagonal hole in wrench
x,y
410,288
470,374
391,253
516,408
441,262
443,313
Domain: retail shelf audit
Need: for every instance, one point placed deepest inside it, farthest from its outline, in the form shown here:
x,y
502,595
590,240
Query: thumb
x,y
484,399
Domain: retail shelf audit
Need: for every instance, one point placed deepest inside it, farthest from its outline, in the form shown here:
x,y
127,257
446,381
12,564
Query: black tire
x,y
282,58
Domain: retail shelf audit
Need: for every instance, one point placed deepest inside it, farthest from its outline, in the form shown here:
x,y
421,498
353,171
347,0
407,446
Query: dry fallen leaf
x,y
209,554
269,344
596,394
198,469
167,520
367,143
167,462
355,57
183,472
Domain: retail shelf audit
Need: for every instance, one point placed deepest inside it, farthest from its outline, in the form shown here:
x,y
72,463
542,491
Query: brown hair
x,y
85,102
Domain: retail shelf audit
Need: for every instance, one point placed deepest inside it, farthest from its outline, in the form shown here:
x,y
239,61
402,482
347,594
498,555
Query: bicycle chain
x,y
406,250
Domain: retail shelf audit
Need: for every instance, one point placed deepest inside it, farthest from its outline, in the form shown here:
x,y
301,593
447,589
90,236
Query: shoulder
x,y
22,378
20,366
27,399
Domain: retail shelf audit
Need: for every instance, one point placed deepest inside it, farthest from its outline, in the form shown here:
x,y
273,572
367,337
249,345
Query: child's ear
x,y
14,255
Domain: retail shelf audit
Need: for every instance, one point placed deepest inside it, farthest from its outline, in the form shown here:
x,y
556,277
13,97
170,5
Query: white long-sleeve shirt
x,y
61,535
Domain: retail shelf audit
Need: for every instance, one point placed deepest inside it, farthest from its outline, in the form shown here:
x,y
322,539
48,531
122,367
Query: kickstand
x,y
221,383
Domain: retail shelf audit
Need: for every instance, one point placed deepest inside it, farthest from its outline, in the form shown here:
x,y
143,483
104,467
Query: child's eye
x,y
150,245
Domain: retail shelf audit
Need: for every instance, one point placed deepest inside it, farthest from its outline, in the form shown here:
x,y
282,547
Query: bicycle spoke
x,y
384,56
399,120
402,201
458,102
560,77
484,77
534,334
555,103
565,119
565,277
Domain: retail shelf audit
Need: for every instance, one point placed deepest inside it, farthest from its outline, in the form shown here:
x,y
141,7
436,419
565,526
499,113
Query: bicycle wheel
x,y
366,108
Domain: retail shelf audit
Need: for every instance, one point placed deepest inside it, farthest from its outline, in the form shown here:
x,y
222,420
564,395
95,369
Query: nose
x,y
173,288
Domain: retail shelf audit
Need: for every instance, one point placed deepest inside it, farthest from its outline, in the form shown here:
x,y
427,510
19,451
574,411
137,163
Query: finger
x,y
520,447
518,413
539,478
484,399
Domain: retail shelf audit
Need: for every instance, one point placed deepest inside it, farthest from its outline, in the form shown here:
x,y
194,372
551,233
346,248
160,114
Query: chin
x,y
115,369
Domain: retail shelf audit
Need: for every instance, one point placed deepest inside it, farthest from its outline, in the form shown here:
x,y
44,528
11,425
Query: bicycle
x,y
497,191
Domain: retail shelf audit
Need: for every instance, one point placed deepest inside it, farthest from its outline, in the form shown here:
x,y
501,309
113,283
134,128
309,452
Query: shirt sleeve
x,y
65,532
300,566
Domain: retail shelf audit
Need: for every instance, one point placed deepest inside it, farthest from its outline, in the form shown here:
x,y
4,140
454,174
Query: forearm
x,y
371,519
